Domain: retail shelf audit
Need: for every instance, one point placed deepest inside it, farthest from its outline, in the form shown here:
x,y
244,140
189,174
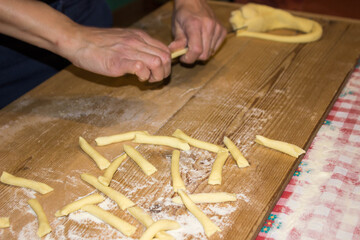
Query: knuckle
x,y
156,62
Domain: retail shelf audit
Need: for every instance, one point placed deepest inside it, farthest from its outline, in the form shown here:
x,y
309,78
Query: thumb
x,y
180,42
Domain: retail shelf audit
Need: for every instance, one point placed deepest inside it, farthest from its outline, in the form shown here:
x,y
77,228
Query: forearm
x,y
37,23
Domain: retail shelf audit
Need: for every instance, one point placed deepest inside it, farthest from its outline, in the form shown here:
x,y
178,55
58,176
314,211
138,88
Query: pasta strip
x,y
179,53
236,154
216,197
162,140
110,171
121,225
158,226
216,171
284,147
102,141
100,161
144,164
178,183
4,222
26,183
209,227
197,143
119,198
44,226
146,220
76,205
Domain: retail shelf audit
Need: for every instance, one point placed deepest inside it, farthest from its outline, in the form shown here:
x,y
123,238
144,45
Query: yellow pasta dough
x,y
26,183
121,225
209,227
100,161
110,171
146,220
178,183
162,140
197,143
76,205
4,222
284,147
144,164
102,141
216,197
119,198
236,154
216,171
44,226
158,226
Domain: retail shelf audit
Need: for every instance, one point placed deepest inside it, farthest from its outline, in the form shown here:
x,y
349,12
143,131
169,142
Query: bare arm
x,y
107,51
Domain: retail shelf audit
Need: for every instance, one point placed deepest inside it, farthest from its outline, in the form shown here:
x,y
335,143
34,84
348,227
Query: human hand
x,y
115,52
195,26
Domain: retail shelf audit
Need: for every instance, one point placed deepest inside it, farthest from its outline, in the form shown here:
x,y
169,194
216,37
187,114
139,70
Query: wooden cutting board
x,y
279,90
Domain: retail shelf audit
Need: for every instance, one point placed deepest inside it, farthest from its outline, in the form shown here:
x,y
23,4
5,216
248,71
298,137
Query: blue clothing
x,y
23,66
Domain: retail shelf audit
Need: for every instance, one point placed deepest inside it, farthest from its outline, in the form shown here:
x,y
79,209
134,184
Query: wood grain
x,y
282,91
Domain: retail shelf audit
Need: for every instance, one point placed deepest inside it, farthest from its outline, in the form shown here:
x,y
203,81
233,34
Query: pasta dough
x,y
100,161
216,171
178,183
102,141
235,152
158,226
197,143
144,164
74,206
209,227
119,198
26,183
255,20
146,220
110,171
121,225
4,222
44,226
179,53
215,197
162,140
284,147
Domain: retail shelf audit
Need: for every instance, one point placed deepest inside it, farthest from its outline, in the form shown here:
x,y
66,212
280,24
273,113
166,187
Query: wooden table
x,y
282,91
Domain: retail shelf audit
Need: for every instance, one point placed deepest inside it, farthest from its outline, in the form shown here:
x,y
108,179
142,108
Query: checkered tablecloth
x,y
322,200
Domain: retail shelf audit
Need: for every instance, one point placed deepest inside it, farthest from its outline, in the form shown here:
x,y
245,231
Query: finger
x,y
217,36
124,66
207,38
153,63
195,45
221,39
178,43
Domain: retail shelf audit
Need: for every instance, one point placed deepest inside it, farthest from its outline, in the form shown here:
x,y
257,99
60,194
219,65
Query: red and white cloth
x,y
322,200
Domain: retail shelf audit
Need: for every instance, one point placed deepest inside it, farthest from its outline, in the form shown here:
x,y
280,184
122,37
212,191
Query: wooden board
x,y
250,87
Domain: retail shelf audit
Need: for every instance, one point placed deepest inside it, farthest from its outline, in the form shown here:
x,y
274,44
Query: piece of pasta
x,y
209,227
128,136
197,143
284,147
44,226
42,188
4,222
162,140
161,225
216,197
76,205
100,160
178,183
110,171
144,164
216,171
121,225
119,198
236,154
